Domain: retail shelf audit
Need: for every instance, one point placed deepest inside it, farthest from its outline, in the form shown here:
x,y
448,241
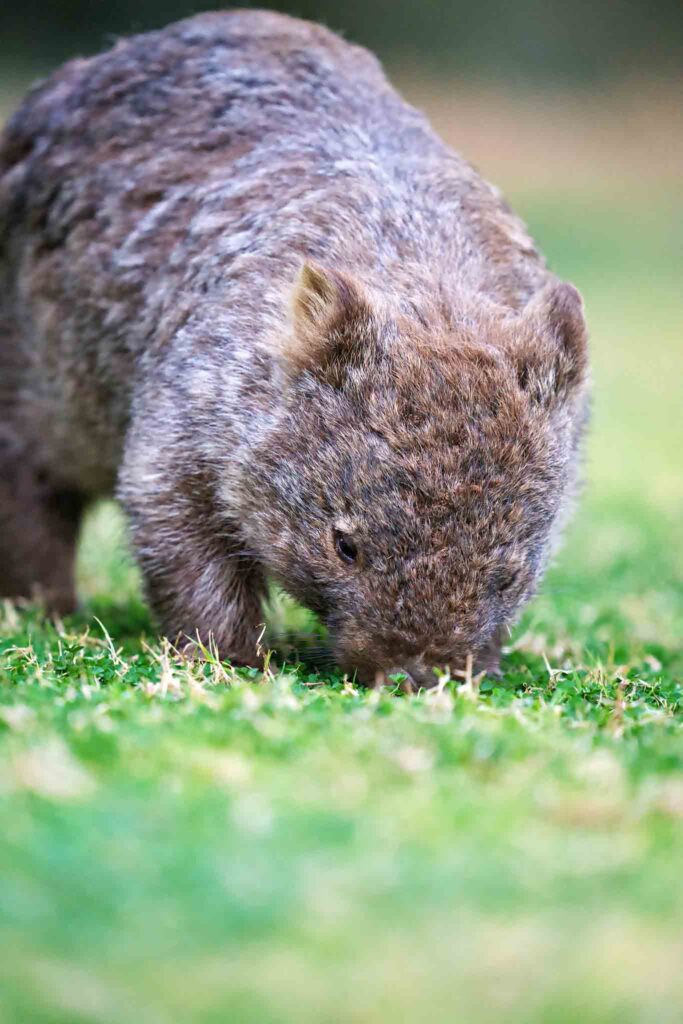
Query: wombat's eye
x,y
345,547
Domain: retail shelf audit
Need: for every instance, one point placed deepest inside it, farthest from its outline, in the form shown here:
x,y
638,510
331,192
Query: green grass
x,y
201,845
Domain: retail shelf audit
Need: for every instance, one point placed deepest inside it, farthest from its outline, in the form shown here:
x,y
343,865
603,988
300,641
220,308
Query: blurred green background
x,y
541,40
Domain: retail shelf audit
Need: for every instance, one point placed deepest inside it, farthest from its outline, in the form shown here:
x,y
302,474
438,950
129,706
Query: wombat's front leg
x,y
214,603
199,581
199,592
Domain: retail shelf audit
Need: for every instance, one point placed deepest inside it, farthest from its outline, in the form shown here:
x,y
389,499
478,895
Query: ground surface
x,y
202,846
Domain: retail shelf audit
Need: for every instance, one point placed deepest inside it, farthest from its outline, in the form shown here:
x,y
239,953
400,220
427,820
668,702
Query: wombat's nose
x,y
419,675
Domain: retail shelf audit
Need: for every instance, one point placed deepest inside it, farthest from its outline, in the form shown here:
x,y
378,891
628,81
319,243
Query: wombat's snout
x,y
418,675
421,670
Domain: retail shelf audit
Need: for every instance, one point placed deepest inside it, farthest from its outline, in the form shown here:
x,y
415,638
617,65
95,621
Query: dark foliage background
x,y
568,41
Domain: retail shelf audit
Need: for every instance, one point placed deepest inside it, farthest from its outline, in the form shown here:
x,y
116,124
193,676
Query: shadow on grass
x,y
128,623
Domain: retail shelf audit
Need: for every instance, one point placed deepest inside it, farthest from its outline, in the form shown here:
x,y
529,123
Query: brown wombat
x,y
246,288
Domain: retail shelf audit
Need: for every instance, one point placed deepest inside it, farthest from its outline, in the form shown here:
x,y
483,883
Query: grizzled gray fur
x,y
244,287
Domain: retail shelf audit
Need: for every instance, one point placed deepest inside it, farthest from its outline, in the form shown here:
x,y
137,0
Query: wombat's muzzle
x,y
410,675
418,675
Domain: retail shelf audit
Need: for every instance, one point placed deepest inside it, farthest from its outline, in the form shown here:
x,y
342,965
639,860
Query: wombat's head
x,y
410,492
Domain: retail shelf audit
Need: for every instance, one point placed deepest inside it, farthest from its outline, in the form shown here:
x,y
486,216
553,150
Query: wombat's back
x,y
168,108
204,162
102,170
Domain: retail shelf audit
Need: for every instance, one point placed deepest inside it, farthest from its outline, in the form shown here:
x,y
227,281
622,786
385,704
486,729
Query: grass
x,y
202,845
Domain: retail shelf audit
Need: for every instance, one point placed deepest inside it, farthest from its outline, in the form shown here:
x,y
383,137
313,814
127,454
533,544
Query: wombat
x,y
245,288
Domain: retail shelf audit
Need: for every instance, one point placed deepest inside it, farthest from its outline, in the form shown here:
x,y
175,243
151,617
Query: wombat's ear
x,y
552,360
331,323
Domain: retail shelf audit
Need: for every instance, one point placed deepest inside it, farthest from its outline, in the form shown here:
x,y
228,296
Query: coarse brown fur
x,y
246,288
